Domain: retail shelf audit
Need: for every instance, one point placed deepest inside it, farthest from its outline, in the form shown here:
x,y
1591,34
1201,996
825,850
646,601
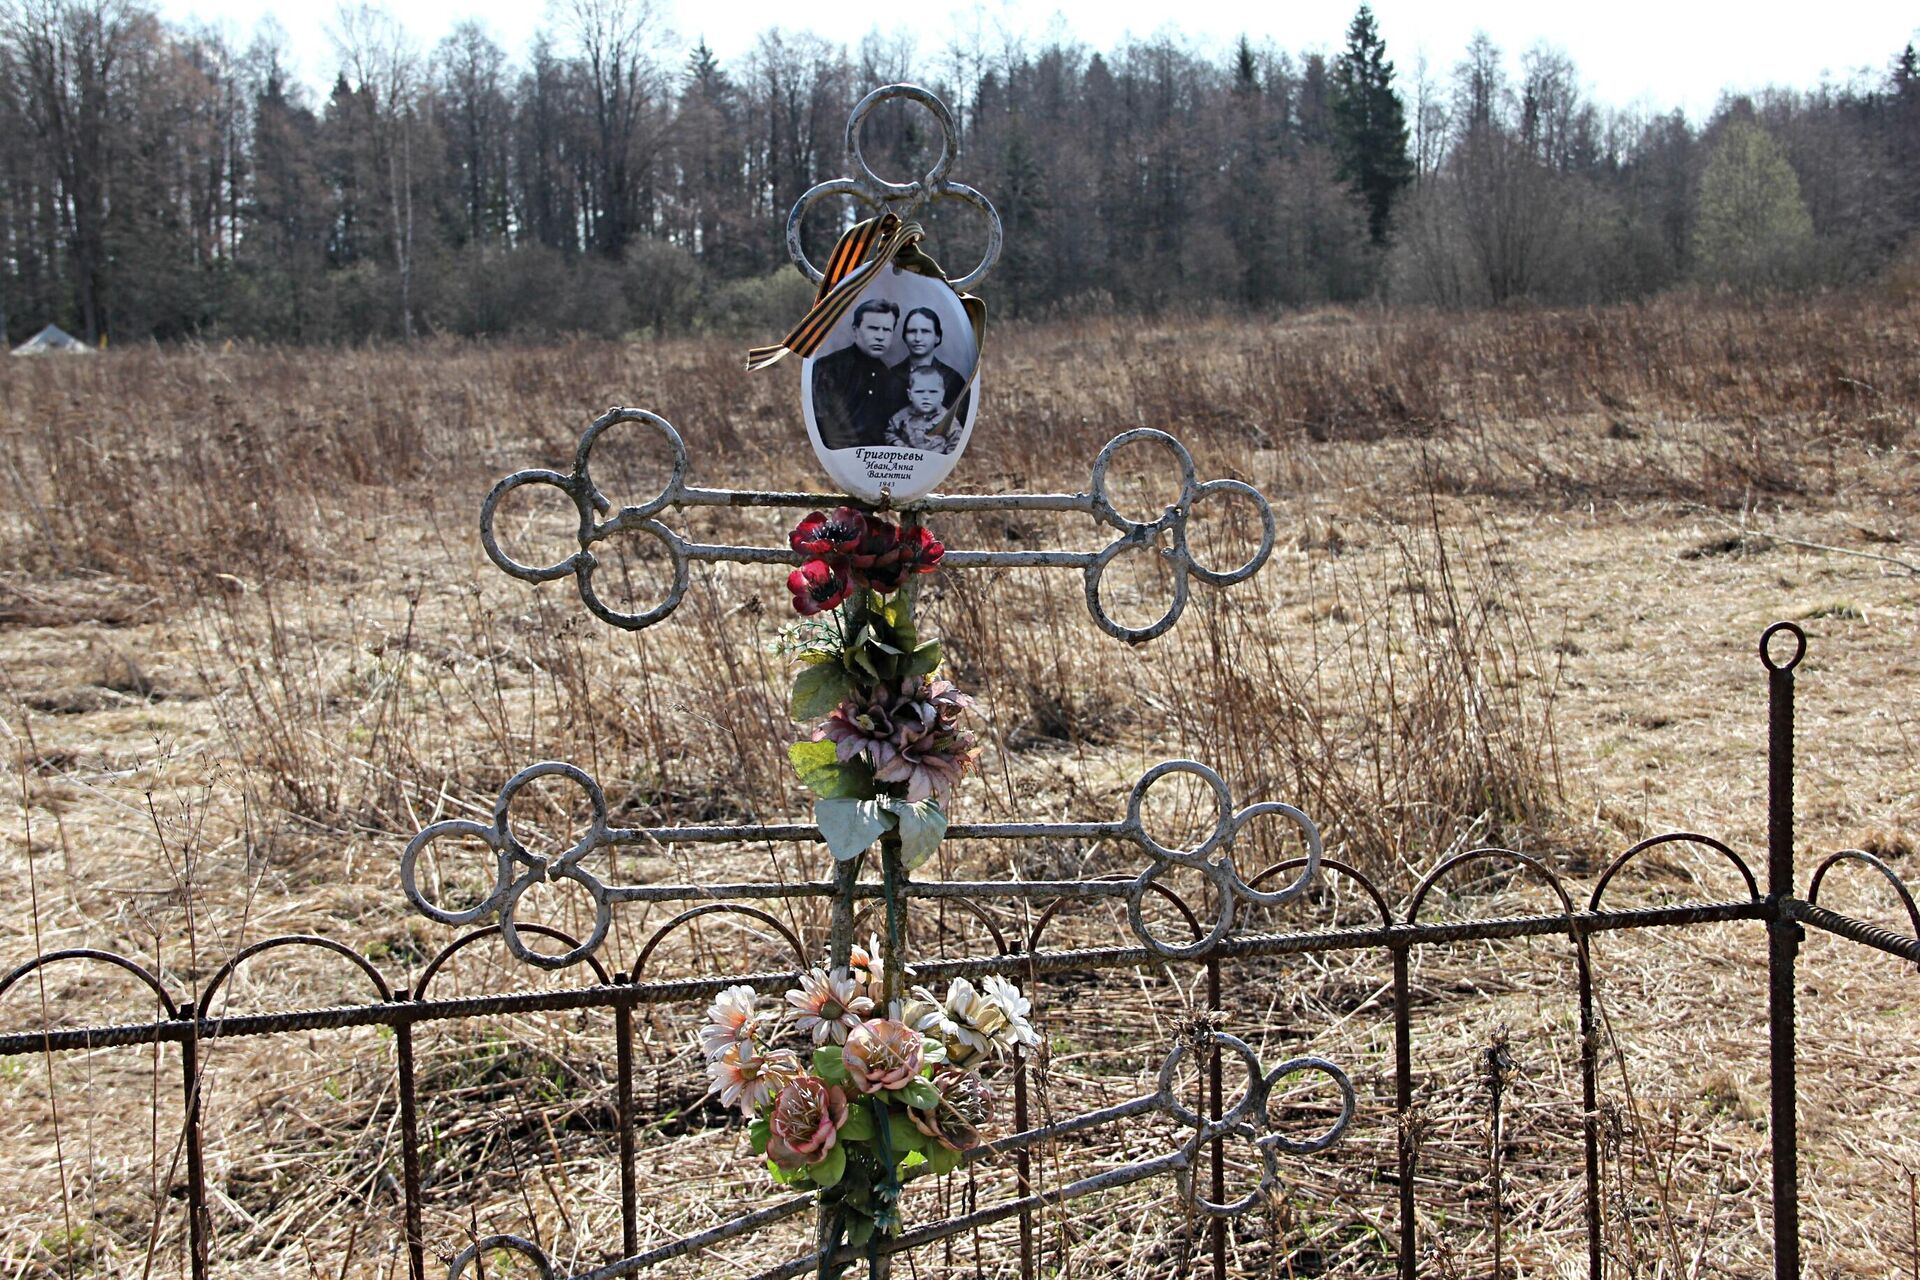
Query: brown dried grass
x,y
251,645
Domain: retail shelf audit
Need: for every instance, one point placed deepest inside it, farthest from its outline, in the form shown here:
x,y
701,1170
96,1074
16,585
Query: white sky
x,y
1677,53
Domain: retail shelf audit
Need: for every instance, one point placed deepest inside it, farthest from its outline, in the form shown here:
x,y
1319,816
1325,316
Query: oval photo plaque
x,y
890,396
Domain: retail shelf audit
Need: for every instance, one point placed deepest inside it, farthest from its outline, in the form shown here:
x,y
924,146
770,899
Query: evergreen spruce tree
x,y
1369,125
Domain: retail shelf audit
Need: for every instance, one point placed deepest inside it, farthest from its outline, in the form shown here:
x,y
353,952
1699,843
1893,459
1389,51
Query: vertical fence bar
x,y
1023,1163
410,1148
198,1223
1783,943
1403,1105
1218,1156
623,1112
1589,1101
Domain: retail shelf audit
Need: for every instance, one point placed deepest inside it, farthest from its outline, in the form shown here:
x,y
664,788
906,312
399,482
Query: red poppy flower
x,y
818,586
878,540
920,552
829,535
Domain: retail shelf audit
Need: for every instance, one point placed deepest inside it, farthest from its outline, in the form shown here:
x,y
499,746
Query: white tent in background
x,y
53,340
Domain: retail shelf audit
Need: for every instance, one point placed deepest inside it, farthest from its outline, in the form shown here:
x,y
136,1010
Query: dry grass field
x,y
249,644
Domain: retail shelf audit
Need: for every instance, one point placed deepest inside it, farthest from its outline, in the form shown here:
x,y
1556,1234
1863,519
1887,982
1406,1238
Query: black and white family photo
x,y
894,376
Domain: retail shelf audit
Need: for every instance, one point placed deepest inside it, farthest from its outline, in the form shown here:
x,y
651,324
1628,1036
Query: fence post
x,y
198,1221
1403,1105
1783,943
623,1111
410,1146
1218,1155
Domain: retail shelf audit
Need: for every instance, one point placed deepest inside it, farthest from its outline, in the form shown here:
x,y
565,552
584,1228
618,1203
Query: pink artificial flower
x,y
965,1108
734,1017
829,1007
748,1080
883,1054
805,1122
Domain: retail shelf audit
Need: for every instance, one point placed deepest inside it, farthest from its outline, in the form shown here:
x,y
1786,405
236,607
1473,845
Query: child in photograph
x,y
917,426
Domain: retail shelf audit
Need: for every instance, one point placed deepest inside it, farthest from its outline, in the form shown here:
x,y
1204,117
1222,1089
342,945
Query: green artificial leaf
x,y
934,1053
758,1132
924,660
850,826
913,1159
906,1137
820,769
818,690
864,660
859,1229
942,1159
859,1125
899,619
785,1177
922,826
920,1095
828,1064
826,1171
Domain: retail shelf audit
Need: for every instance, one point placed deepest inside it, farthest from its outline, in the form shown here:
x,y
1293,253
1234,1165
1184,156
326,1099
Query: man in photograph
x,y
855,394
923,335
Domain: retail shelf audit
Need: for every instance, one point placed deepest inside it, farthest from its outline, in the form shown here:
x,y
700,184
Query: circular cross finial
x,y
877,193
948,139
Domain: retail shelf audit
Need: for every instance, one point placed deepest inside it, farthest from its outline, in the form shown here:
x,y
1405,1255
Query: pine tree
x,y
1369,125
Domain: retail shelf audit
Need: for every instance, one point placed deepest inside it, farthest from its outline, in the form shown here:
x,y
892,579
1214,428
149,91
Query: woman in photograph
x,y
923,335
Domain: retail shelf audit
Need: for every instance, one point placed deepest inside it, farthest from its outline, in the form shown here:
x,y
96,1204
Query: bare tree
x,y
378,58
617,42
68,55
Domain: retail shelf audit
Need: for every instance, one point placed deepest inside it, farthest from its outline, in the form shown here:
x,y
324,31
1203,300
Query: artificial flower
x,y
870,726
830,1007
747,1079
820,534
925,1014
805,1121
931,766
915,551
734,1017
883,1054
1018,1031
859,549
866,967
974,1020
908,734
818,586
877,545
965,1108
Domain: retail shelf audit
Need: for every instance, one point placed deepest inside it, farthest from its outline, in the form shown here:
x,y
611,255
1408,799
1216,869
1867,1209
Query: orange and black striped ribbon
x,y
847,271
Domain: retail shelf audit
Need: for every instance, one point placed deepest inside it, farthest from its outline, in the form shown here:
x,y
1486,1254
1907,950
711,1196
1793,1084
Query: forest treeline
x,y
158,181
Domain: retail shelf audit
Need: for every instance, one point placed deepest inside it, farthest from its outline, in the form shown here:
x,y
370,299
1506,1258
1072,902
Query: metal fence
x,y
1215,1123
1199,1163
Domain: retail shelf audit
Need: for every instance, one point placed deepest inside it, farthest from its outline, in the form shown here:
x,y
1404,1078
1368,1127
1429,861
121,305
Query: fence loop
x,y
1308,1146
1766,646
118,961
1309,865
1223,826
488,1244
